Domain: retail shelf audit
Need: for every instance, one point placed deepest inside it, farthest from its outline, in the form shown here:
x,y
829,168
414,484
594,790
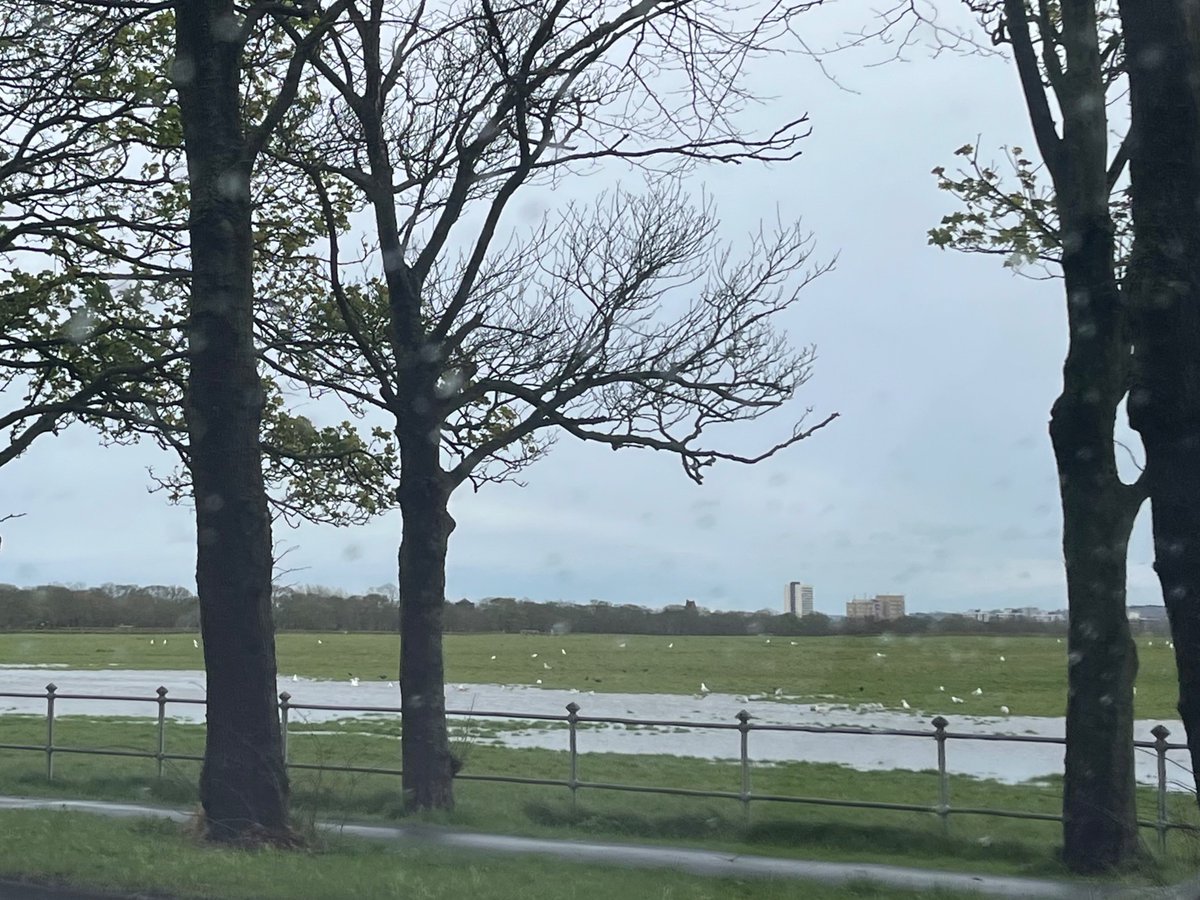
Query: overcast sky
x,y
937,481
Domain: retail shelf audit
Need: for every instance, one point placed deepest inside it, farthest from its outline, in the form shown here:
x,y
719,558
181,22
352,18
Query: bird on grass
x,y
954,699
354,681
539,681
621,645
778,692
904,703
151,640
978,692
493,656
1004,709
704,688
545,665
670,645
562,651
942,688
533,656
1002,658
195,643
881,656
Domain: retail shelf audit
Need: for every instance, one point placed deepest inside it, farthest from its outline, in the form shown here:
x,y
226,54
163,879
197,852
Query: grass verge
x,y
159,856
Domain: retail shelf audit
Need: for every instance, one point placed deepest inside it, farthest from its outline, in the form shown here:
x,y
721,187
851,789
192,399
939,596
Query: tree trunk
x,y
427,762
1099,815
1099,801
243,781
1163,285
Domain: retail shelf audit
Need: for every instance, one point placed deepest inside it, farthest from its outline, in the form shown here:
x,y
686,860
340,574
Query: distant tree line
x,y
314,608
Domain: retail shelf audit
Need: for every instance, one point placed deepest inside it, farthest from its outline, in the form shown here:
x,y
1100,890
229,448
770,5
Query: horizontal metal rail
x,y
573,720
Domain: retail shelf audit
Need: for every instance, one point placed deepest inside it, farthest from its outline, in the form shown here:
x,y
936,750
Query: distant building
x,y
798,599
889,606
1023,614
860,609
882,608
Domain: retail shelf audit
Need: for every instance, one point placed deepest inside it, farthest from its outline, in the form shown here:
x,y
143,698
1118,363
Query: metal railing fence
x,y
1161,824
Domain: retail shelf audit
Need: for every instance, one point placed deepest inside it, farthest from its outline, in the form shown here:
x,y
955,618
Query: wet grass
x,y
1030,681
970,843
159,856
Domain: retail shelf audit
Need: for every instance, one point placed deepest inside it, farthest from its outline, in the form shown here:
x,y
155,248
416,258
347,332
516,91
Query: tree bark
x,y
243,781
1099,809
1099,799
1163,285
427,763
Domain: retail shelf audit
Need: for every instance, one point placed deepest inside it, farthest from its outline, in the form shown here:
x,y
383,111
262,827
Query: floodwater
x,y
1005,761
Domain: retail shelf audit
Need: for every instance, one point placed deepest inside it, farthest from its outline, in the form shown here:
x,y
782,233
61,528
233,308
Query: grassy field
x,y
1031,679
151,855
972,843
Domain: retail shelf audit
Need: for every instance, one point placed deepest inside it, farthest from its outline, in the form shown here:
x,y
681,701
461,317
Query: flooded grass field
x,y
1025,674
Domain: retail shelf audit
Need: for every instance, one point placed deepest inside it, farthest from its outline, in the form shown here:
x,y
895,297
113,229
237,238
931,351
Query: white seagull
x,y
195,643
295,678
493,656
881,656
1002,658
319,641
670,645
954,699
354,681
533,656
545,665
151,640
704,688
778,692
539,681
978,692
904,703
942,688
621,645
562,651
1004,709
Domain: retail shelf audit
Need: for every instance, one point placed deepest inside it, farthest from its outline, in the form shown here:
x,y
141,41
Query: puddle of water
x,y
1006,762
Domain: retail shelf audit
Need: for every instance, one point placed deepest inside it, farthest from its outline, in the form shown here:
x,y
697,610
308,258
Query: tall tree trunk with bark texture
x,y
243,782
1099,811
1162,47
427,762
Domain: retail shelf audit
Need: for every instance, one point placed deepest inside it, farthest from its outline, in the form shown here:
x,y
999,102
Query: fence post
x,y
573,780
744,727
939,734
283,725
50,689
1160,733
162,736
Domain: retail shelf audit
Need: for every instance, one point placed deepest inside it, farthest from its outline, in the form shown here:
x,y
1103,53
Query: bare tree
x,y
625,323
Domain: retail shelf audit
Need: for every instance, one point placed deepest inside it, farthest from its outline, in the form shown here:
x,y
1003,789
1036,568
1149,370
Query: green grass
x,y
1031,680
140,855
973,843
